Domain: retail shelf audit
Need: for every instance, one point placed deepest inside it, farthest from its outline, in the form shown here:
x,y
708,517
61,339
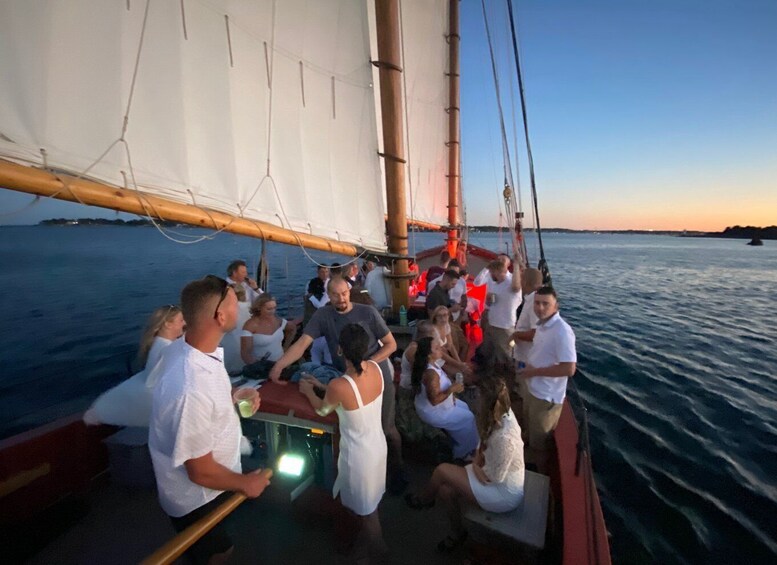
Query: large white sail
x,y
220,88
426,58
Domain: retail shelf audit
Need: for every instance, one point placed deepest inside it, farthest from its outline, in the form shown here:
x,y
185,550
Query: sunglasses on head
x,y
224,286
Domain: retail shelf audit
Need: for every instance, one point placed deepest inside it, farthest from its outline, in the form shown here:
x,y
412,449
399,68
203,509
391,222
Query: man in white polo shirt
x,y
194,435
552,359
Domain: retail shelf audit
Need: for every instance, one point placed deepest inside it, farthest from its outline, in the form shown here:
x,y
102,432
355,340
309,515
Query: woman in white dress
x,y
265,336
435,402
129,403
494,480
357,397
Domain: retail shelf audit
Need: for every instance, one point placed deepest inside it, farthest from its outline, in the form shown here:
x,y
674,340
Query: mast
x,y
42,183
454,141
389,60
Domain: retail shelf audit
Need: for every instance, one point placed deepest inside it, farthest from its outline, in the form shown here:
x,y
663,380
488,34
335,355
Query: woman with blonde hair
x,y
495,479
129,403
452,339
265,336
165,325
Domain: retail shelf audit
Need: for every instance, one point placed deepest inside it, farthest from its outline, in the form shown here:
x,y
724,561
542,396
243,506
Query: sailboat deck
x,y
124,525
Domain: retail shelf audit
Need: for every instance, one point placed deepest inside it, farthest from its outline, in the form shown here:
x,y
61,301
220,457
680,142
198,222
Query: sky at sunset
x,y
642,115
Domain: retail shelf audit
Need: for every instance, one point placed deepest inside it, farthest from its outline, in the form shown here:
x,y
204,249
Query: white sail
x,y
426,60
203,118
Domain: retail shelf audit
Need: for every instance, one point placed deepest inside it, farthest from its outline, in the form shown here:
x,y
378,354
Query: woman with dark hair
x,y
434,400
494,480
357,397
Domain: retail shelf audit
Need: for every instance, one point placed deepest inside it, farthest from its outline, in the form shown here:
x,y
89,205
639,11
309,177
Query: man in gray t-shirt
x,y
328,322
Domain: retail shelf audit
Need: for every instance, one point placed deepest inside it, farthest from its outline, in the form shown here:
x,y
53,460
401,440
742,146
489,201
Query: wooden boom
x,y
43,183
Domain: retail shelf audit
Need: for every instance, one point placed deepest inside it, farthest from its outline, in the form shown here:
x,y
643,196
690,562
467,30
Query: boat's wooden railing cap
x,y
177,545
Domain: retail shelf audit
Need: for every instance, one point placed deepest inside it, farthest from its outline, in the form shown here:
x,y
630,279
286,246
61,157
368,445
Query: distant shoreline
x,y
735,232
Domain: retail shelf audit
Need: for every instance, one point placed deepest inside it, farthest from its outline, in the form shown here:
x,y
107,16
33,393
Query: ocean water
x,y
676,343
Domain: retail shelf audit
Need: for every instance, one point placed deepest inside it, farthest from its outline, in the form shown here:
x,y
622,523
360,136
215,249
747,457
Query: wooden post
x,y
390,69
454,141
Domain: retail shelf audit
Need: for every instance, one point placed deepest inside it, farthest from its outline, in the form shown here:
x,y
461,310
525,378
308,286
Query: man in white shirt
x,y
531,281
237,274
504,296
194,434
552,359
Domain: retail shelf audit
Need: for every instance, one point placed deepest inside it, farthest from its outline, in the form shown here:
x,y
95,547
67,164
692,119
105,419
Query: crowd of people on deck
x,y
495,410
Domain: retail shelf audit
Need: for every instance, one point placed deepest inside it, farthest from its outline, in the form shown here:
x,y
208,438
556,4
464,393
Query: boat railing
x,y
583,463
176,546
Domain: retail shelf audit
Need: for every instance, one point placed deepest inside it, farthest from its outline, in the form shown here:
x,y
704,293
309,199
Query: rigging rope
x,y
543,264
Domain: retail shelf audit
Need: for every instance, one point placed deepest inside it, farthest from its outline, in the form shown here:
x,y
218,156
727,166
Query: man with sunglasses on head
x,y
194,436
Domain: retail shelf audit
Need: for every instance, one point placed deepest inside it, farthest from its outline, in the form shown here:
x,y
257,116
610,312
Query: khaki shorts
x,y
541,418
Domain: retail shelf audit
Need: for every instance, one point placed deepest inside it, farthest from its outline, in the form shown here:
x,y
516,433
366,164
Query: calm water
x,y
676,339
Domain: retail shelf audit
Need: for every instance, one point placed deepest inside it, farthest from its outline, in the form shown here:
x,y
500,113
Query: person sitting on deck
x,y
552,359
237,274
440,294
494,480
410,425
265,336
452,339
504,297
435,402
315,298
194,437
329,322
458,293
357,397
129,403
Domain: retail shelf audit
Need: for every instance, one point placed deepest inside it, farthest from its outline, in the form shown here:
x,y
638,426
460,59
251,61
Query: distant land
x,y
105,222
743,232
734,232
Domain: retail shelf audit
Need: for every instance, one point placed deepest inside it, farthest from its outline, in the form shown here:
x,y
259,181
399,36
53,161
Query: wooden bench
x,y
523,529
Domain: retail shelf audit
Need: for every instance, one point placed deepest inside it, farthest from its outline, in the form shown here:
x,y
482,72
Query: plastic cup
x,y
460,378
244,398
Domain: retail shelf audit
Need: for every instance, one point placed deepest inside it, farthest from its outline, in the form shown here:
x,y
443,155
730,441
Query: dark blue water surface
x,y
676,340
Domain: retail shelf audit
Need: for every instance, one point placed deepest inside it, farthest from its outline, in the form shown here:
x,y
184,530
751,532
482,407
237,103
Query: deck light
x,y
291,464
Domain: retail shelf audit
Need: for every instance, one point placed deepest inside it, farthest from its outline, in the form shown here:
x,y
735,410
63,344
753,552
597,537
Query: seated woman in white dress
x,y
129,403
494,480
265,336
357,397
435,402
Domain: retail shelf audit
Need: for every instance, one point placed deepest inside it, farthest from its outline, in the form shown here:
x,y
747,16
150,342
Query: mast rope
x,y
507,166
543,264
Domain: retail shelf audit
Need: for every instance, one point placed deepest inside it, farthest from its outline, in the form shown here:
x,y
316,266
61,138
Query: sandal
x,y
450,543
416,503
